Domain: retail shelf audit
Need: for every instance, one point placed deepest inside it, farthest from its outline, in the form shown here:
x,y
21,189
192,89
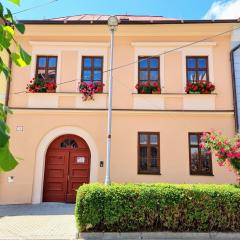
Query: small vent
x,y
69,143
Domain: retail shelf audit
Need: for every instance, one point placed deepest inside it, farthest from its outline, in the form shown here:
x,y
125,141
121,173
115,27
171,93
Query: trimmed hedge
x,y
158,207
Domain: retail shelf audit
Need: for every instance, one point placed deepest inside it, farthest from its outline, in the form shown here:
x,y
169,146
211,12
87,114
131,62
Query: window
x,y
92,69
69,143
148,70
197,69
148,153
47,68
200,159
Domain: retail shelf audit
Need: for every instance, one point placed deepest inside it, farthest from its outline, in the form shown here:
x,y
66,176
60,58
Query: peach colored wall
x,y
123,83
173,126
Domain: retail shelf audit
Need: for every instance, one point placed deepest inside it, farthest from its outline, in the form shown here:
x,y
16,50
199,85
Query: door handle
x,y
68,177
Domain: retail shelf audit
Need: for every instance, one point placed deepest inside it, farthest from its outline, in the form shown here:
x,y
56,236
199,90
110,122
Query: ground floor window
x,y
148,153
200,159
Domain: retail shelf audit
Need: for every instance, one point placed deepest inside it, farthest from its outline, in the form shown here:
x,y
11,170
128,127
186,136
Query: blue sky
x,y
183,9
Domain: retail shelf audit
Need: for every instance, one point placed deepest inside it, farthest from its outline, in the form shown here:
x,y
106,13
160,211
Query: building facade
x,y
61,139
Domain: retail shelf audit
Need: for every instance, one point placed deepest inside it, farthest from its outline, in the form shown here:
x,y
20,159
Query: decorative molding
x,y
41,153
120,111
201,51
70,44
171,44
36,100
139,51
199,102
148,101
100,101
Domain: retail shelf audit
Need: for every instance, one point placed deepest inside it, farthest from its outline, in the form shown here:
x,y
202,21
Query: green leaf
x,y
17,2
4,137
7,161
1,10
9,16
25,56
20,27
4,68
8,32
5,41
18,60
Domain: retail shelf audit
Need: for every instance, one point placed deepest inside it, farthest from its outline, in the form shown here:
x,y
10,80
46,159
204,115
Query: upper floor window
x,y
46,68
200,159
149,70
92,69
197,68
148,153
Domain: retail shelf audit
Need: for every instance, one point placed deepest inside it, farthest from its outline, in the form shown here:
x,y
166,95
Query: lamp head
x,y
112,23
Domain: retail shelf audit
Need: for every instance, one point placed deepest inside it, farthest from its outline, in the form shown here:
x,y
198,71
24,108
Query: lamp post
x,y
112,24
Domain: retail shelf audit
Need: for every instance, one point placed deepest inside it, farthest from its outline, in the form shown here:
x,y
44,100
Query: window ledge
x,y
175,94
202,175
148,173
61,93
56,100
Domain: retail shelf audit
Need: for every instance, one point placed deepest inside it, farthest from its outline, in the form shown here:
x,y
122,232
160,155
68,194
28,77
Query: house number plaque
x,y
80,159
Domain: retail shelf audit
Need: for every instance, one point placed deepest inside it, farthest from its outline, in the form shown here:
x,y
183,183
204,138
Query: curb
x,y
158,235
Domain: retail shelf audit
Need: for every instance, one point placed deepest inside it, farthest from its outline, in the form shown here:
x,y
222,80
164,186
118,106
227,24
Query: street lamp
x,y
112,24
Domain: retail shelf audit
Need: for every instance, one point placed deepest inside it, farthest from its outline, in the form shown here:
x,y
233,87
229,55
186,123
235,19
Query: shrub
x,y
158,207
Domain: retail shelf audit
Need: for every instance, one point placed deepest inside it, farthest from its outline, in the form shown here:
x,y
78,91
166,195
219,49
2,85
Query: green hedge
x,y
158,207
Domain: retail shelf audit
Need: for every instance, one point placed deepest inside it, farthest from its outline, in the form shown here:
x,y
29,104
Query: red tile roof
x,y
121,18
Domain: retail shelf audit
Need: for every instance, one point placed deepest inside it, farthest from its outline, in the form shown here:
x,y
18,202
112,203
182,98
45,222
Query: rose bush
x,y
227,149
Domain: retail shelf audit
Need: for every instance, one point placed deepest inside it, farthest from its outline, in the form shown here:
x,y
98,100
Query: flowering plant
x,y
40,85
202,87
148,88
227,149
88,89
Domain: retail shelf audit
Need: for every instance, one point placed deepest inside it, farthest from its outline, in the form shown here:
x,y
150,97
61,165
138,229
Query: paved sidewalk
x,y
38,221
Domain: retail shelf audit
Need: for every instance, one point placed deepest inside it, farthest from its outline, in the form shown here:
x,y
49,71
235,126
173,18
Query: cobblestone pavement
x,y
38,221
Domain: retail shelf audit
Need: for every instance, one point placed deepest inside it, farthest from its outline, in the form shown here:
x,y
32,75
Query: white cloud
x,y
229,9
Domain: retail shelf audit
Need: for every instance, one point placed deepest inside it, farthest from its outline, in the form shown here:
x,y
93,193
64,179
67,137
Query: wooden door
x,y
67,167
79,171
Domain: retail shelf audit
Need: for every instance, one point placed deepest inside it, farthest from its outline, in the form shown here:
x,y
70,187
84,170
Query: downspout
x,y
234,87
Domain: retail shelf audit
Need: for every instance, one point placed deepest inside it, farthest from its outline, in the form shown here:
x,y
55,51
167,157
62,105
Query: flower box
x,y
147,88
39,85
200,87
88,89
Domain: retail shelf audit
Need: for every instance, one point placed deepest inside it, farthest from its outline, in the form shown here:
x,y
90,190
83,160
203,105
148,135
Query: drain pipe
x,y
235,103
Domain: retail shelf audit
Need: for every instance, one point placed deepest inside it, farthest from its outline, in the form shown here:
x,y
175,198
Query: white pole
x,y
109,128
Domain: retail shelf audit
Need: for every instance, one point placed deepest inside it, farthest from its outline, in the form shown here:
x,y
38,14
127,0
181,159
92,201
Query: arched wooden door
x,y
67,166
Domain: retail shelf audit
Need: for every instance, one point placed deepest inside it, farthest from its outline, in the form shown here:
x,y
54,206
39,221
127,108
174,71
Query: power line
x,y
157,55
37,6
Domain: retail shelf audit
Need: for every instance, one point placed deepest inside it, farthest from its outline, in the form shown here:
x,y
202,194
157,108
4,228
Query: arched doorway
x,y
67,166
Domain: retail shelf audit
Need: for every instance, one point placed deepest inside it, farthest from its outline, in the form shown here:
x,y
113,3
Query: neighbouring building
x,y
235,61
61,139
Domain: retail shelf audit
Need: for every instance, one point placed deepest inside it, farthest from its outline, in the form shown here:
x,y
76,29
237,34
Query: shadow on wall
x,y
37,209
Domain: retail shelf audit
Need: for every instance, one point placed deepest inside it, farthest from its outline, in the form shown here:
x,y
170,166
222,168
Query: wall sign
x,y
19,128
80,159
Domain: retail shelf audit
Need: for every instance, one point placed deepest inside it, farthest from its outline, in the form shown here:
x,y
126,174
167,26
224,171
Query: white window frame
x,y
42,48
197,51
